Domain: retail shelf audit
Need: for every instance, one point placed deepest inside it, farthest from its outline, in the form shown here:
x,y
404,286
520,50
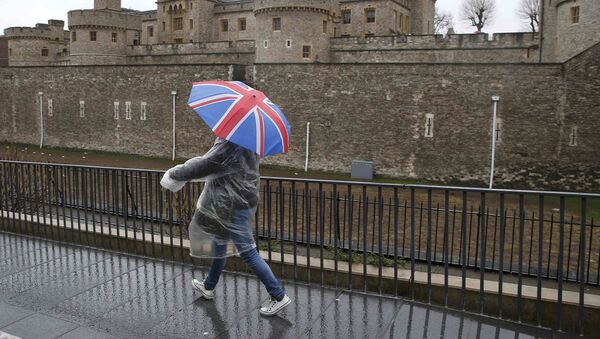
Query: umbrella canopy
x,y
239,113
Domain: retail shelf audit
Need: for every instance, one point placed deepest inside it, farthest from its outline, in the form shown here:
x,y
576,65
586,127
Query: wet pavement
x,y
53,290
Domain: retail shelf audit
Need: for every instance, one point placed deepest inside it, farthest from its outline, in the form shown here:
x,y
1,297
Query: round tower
x,y
422,13
41,45
102,36
569,28
293,30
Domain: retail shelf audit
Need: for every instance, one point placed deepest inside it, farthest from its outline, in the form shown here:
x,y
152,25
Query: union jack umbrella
x,y
239,113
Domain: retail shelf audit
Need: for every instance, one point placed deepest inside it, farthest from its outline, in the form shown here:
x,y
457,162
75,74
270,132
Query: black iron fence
x,y
541,237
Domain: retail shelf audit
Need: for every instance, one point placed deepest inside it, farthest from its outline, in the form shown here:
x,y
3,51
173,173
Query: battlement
x,y
451,41
240,46
223,7
261,6
53,30
104,19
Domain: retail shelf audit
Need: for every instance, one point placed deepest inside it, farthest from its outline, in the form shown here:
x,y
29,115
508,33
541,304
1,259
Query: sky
x,y
30,12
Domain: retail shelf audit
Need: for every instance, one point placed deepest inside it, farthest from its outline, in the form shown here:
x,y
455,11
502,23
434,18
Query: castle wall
x,y
460,48
3,51
99,87
239,52
360,111
196,20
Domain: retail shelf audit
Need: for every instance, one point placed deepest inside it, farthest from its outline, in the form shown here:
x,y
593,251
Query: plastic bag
x,y
228,201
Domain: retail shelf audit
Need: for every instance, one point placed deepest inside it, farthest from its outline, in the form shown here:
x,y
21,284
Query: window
x,y
288,43
143,111
266,43
44,52
573,137
178,24
179,41
191,5
74,36
164,8
241,24
276,24
50,109
191,24
81,109
324,26
128,110
150,31
370,15
93,36
114,37
306,52
224,25
164,26
346,16
499,130
116,110
428,125
10,52
575,15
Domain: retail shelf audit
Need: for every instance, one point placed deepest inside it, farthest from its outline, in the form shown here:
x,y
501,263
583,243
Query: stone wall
x,y
463,48
362,111
3,51
99,87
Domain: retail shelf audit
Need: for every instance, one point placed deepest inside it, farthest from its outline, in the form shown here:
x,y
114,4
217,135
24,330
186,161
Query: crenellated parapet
x,y
319,6
102,19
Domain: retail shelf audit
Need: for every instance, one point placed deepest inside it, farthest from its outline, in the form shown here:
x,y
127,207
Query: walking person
x,y
222,224
248,126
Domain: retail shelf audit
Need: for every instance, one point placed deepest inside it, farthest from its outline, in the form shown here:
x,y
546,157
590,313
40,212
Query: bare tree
x,y
442,21
478,12
529,11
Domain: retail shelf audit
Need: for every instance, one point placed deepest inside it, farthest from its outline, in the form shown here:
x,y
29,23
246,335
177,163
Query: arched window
x,y
180,8
45,52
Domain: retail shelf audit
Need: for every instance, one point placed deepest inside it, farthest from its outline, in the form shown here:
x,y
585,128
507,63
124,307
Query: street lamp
x,y
495,100
41,96
174,96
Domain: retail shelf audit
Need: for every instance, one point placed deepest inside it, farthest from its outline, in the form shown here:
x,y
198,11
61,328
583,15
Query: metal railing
x,y
531,238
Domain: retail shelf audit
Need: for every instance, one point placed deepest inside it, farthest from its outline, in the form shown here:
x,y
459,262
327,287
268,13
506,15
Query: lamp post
x,y
174,96
495,100
41,96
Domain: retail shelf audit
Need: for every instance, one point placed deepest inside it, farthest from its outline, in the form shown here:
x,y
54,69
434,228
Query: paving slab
x,y
39,326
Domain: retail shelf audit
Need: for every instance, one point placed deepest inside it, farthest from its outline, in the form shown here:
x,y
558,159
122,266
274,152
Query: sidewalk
x,y
52,290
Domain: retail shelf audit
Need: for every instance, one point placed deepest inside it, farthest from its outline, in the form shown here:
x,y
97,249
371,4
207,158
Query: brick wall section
x,y
357,111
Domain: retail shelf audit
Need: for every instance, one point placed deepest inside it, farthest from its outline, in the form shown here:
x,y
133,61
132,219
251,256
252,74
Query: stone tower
x,y
41,45
108,4
293,30
102,36
568,28
422,13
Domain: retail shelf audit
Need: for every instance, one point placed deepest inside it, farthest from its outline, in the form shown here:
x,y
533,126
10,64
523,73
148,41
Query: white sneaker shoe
x,y
273,306
198,286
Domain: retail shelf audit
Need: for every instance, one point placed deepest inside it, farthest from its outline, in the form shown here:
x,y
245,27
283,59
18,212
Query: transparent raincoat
x,y
228,201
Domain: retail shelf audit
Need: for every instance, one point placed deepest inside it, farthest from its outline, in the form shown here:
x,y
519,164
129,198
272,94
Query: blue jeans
x,y
249,255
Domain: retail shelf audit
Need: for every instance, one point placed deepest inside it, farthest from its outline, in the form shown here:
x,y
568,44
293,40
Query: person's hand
x,y
171,184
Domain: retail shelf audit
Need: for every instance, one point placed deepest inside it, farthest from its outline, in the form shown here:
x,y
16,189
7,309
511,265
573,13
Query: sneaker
x,y
273,306
198,286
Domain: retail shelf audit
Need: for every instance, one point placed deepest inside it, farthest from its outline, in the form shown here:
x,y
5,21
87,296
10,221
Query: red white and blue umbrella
x,y
239,113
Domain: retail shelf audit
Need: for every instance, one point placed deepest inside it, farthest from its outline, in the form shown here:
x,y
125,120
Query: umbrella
x,y
239,113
